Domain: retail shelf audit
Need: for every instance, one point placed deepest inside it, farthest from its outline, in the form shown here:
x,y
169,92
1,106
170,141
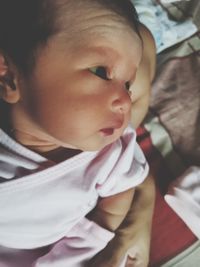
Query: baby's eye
x,y
100,71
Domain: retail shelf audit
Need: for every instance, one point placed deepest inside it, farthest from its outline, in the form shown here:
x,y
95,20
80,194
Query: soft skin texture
x,y
69,103
141,88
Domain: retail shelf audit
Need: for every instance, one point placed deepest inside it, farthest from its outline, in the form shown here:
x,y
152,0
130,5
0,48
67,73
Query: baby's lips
x,y
107,131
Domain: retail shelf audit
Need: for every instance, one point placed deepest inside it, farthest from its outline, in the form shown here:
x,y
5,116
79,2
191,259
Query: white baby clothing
x,y
42,203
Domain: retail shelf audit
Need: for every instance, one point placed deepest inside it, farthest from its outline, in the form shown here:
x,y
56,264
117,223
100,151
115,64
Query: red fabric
x,y
170,235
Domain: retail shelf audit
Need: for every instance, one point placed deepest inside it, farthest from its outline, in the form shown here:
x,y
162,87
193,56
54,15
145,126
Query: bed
x,y
170,136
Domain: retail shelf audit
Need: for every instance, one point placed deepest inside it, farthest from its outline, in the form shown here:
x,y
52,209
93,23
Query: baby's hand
x,y
113,254
138,255
110,256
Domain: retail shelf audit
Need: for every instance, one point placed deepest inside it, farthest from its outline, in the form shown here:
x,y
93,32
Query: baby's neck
x,y
60,154
53,153
50,151
4,116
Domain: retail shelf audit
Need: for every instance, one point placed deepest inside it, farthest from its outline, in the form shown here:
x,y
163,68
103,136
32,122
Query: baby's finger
x,y
130,262
134,262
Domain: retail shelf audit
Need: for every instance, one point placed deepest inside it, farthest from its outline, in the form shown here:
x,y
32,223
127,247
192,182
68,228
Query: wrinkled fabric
x,y
43,202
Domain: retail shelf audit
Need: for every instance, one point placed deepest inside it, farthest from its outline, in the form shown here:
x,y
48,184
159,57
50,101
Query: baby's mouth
x,y
112,128
107,131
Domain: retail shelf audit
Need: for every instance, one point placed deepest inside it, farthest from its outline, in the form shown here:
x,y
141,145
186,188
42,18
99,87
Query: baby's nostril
x,y
127,85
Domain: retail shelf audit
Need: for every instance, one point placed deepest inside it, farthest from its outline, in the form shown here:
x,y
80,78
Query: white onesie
x,y
43,204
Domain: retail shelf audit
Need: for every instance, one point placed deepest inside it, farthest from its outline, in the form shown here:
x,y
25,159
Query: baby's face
x,y
78,94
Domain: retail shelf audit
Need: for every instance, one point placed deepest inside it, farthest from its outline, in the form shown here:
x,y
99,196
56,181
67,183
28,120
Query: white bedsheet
x,y
184,198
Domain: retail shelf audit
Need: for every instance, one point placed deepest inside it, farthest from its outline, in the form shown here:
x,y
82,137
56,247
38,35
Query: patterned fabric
x,y
176,98
182,9
170,136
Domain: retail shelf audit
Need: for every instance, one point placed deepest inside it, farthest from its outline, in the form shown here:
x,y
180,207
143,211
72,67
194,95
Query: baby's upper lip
x,y
114,125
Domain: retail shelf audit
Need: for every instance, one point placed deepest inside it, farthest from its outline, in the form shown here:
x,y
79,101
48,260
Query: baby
x,y
73,75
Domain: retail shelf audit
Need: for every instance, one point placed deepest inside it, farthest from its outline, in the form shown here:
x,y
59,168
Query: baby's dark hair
x,y
26,25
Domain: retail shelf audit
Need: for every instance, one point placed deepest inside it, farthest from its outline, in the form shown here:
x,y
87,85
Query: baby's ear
x,y
9,91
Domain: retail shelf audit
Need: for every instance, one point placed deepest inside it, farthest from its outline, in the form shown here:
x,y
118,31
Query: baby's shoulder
x,y
149,50
146,69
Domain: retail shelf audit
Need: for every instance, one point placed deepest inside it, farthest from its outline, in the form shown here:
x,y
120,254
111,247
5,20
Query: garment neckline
x,y
14,146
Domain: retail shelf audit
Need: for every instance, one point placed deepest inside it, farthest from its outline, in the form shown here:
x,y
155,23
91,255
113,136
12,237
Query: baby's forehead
x,y
90,27
98,43
99,24
89,16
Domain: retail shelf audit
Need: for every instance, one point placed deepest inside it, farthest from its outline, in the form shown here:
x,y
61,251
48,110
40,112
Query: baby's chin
x,y
94,142
100,144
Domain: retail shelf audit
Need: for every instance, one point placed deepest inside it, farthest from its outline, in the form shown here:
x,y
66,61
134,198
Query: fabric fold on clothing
x,y
44,204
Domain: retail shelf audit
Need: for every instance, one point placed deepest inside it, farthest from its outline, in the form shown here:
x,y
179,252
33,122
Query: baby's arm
x,y
133,234
111,211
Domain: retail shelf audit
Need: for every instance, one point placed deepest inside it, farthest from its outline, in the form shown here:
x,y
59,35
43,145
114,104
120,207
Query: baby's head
x,y
27,24
66,67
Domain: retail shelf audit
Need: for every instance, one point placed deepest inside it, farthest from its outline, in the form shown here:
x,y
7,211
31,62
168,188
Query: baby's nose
x,y
122,102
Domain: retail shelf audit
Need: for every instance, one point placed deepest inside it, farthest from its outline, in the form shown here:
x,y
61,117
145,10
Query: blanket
x,y
170,135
